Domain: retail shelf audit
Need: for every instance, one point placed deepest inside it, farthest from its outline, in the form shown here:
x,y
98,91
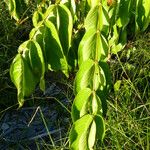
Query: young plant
x,y
50,46
91,82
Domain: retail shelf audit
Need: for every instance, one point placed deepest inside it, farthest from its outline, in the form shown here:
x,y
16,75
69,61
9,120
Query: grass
x,y
128,116
129,101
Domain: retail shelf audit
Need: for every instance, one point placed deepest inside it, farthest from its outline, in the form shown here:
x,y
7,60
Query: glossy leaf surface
x,y
98,19
80,104
79,133
37,17
47,36
64,27
90,75
31,51
92,135
92,46
23,78
142,14
84,76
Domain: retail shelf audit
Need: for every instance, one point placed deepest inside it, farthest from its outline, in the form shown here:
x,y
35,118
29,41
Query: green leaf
x,y
90,75
50,14
38,34
61,17
79,107
93,3
37,61
64,27
47,37
102,97
12,9
124,13
100,127
142,14
24,51
98,19
86,101
92,135
83,5
117,86
16,8
79,133
118,40
70,5
96,104
108,76
31,51
123,36
99,80
103,93
22,77
113,41
113,13
37,17
92,46
84,76
55,56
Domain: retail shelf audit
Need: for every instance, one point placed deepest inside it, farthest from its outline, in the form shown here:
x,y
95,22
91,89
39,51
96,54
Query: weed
x,y
129,104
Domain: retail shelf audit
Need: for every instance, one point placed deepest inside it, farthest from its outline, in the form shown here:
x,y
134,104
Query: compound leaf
x,y
93,3
142,14
31,51
100,127
79,133
124,13
12,9
90,75
84,76
22,77
99,80
50,14
79,108
47,37
37,17
37,61
98,19
92,46
92,135
96,104
71,5
16,8
64,26
55,55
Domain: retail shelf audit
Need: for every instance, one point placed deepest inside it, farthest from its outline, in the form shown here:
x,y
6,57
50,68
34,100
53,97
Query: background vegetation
x,y
127,120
